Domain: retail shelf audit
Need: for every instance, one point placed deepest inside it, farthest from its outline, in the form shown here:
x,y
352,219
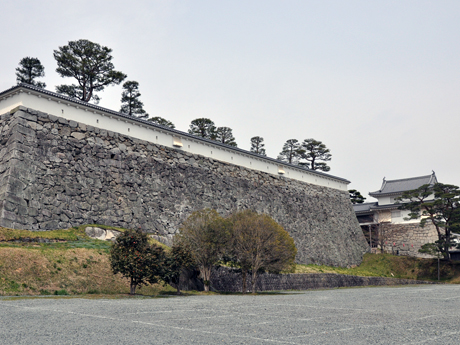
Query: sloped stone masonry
x,y
56,173
407,239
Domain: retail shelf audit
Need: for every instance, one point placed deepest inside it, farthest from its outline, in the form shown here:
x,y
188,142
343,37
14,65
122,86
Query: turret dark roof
x,y
364,207
390,187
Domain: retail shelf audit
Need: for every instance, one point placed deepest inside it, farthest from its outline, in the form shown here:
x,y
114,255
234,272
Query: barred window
x,y
395,214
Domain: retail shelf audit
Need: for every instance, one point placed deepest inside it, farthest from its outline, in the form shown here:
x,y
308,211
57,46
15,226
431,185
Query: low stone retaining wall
x,y
224,279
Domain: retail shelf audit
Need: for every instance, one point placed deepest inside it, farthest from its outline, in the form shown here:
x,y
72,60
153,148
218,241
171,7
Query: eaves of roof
x,y
39,91
364,213
379,194
386,207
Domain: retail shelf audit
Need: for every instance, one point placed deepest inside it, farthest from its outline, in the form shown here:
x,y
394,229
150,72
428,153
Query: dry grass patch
x,y
28,271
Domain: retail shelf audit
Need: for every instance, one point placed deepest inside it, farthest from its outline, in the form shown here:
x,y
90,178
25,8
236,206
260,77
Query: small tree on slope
x,y
132,256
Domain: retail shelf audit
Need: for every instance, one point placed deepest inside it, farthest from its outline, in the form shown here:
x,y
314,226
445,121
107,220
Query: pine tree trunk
x,y
244,274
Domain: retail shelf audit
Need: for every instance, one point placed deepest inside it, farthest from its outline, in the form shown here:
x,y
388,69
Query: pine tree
x,y
90,64
442,211
316,154
257,145
356,197
29,69
130,103
225,136
161,121
290,152
203,127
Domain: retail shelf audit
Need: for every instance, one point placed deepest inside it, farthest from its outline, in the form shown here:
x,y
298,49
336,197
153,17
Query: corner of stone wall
x,y
16,138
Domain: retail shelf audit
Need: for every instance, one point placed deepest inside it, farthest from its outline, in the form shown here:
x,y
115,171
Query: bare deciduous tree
x,y
205,234
260,243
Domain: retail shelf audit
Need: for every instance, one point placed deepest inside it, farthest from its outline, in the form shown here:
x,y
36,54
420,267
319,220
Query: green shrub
x,y
62,292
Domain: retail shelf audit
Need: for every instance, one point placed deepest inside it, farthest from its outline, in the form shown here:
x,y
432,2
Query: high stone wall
x,y
56,173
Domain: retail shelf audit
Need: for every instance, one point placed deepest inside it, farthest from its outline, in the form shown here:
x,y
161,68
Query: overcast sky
x,y
377,81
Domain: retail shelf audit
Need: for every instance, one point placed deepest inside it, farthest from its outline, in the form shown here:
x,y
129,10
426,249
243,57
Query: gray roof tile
x,y
364,207
402,185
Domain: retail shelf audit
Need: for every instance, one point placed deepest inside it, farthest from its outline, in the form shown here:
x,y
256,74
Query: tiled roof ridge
x,y
432,178
409,178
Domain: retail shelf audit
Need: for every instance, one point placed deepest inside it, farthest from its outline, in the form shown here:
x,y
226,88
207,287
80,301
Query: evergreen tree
x,y
225,136
290,152
316,154
356,197
133,257
130,103
29,69
177,260
90,64
257,145
203,127
442,211
161,121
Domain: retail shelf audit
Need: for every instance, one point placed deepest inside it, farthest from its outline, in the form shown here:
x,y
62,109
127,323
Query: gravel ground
x,y
383,315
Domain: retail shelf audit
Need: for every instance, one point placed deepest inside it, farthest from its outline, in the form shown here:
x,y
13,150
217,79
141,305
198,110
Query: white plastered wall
x,y
108,121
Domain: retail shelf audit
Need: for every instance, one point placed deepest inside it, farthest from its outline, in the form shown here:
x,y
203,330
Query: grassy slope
x,y
387,265
76,264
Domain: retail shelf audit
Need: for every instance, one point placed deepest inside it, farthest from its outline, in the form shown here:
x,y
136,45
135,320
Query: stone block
x,y
78,135
25,131
52,118
6,223
50,225
27,116
35,126
46,213
8,215
14,199
9,206
15,186
22,211
33,212
65,131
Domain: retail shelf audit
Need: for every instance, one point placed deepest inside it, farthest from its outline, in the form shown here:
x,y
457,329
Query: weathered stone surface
x,y
72,175
102,234
407,238
78,135
96,233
